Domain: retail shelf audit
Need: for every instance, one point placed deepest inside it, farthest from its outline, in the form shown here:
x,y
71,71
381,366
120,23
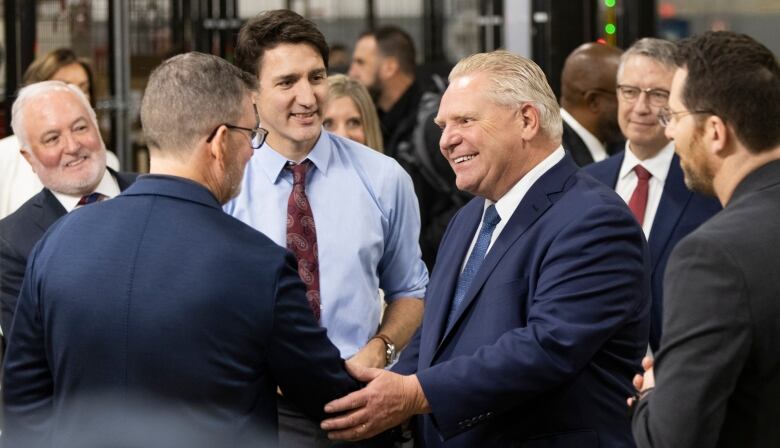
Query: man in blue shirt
x,y
362,205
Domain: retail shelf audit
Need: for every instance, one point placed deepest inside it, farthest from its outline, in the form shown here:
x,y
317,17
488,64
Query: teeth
x,y
464,158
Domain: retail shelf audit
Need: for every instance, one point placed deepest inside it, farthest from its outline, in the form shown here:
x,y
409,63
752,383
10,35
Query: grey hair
x,y
516,80
659,50
32,91
189,95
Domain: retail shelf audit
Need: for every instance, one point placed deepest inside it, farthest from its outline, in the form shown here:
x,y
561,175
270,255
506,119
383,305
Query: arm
x,y
706,342
12,265
401,319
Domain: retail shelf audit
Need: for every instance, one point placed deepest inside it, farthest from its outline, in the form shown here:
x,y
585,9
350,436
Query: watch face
x,y
392,354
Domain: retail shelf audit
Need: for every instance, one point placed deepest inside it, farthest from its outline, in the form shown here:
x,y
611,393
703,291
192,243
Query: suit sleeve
x,y
306,365
705,344
28,385
591,281
12,265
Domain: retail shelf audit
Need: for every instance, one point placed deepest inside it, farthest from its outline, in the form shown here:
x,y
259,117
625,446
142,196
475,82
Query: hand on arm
x,y
401,319
388,400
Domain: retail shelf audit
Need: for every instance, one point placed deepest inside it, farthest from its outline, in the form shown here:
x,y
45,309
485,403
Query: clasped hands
x,y
388,400
645,382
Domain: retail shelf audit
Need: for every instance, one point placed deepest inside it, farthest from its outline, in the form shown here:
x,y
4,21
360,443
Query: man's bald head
x,y
590,66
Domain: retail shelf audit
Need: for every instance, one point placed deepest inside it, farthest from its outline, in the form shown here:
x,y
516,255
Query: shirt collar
x,y
272,162
595,147
107,187
658,165
507,204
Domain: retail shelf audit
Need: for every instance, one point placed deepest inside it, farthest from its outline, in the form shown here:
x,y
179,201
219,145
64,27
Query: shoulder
x,y
20,220
605,169
374,167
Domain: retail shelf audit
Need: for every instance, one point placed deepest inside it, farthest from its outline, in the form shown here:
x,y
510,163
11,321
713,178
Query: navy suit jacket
x,y
679,213
551,331
19,232
161,299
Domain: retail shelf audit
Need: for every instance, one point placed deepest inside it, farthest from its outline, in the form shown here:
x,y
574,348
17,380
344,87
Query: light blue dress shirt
x,y
368,226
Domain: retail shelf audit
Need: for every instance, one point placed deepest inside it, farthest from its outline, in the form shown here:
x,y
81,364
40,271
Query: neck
x,y
295,151
393,90
643,152
584,118
172,166
736,168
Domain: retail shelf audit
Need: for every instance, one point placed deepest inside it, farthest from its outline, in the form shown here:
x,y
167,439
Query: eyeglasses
x,y
256,136
665,115
656,97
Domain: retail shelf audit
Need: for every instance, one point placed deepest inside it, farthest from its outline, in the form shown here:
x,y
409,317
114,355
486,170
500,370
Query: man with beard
x,y
589,105
158,303
647,174
59,136
384,62
722,314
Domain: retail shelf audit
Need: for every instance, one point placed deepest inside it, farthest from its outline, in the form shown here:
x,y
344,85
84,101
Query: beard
x,y
374,88
697,172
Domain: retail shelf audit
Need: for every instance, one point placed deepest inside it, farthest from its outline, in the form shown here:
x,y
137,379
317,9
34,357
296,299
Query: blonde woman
x,y
351,113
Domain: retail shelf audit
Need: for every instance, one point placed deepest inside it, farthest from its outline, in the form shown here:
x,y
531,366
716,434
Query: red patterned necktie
x,y
302,236
638,201
90,199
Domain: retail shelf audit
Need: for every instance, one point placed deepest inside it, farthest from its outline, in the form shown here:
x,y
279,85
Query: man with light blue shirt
x,y
348,213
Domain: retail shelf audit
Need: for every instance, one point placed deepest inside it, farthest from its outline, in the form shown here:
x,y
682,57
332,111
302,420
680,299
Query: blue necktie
x,y
489,222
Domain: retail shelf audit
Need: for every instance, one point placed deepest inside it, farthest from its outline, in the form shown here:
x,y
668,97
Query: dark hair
x,y
271,28
736,78
394,42
43,68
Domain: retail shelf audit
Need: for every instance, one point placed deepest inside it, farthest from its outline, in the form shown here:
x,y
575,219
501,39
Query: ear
x,y
529,116
592,100
218,147
388,67
718,136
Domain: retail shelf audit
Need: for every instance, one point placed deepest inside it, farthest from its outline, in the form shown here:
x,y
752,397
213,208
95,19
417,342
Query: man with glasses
x,y
348,213
155,319
722,313
647,174
588,104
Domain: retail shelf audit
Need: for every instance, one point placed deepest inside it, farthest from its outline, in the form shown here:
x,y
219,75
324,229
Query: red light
x,y
601,41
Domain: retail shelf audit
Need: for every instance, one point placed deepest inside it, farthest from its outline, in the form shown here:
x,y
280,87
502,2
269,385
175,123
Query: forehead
x,y
55,104
343,105
366,46
290,59
72,73
646,72
463,90
678,82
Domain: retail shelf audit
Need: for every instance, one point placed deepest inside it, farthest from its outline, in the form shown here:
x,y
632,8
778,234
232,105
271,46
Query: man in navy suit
x,y
665,208
533,343
157,303
60,138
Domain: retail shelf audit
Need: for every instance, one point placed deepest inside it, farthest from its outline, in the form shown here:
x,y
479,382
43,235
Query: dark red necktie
x,y
638,201
90,199
302,236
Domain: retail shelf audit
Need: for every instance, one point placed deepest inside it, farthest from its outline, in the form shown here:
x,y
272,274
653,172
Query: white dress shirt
x,y
658,166
595,147
108,187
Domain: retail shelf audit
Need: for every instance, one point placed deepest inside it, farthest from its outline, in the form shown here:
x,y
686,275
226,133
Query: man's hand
x,y
373,354
645,382
387,400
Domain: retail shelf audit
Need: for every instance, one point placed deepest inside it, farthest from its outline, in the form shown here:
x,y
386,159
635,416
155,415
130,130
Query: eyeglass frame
x,y
665,114
648,93
262,132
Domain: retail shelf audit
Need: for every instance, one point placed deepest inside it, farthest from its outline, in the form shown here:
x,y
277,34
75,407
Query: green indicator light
x,y
610,28
609,3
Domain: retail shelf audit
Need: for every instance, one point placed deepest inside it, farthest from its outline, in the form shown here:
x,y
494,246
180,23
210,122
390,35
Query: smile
x,y
304,115
462,159
75,162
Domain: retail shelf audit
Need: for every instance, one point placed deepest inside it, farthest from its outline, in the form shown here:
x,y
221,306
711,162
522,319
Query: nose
x,y
642,103
305,94
353,71
449,140
72,145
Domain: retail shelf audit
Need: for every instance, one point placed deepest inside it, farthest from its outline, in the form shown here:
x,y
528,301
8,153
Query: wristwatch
x,y
391,355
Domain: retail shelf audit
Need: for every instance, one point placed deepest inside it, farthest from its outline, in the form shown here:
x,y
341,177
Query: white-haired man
x,y
536,318
60,138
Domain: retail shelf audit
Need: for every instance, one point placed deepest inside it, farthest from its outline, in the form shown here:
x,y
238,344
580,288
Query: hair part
x,y
36,90
344,86
737,79
46,66
270,29
394,42
516,80
659,50
187,96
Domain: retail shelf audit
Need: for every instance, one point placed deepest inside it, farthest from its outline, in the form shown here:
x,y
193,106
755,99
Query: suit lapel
x,y
535,203
674,199
49,209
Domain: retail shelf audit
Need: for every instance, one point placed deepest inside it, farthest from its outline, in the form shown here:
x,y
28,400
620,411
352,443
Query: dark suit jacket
x,y
718,371
576,147
159,296
551,331
679,213
19,232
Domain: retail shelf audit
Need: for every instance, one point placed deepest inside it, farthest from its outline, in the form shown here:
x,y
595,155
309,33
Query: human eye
x,y
318,77
354,123
659,95
629,91
327,123
51,139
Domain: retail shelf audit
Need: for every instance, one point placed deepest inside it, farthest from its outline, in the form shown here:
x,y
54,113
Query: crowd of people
x,y
351,260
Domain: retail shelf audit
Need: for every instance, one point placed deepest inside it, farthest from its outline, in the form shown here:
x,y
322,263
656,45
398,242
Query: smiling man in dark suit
x,y
647,174
59,137
159,303
536,318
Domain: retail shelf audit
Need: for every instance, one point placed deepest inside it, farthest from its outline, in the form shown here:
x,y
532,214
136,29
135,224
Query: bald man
x,y
588,103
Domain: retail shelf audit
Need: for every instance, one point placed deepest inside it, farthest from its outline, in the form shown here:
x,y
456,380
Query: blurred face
x,y
65,151
480,138
608,124
342,117
365,64
687,135
638,118
293,90
73,74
